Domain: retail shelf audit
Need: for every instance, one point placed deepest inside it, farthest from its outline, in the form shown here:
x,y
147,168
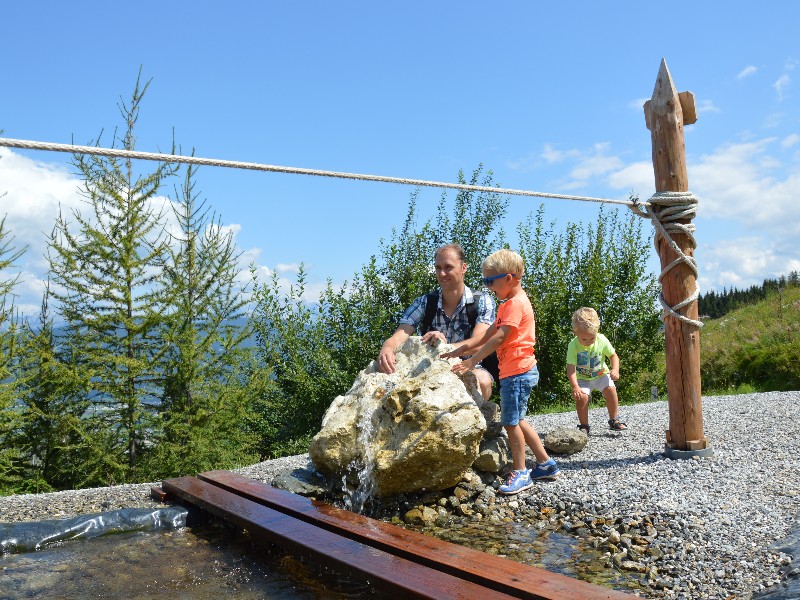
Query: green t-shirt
x,y
590,361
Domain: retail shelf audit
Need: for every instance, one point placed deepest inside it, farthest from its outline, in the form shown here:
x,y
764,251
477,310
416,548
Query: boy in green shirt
x,y
587,369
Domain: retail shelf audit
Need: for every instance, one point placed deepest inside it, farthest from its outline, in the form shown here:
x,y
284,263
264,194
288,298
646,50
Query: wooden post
x,y
665,114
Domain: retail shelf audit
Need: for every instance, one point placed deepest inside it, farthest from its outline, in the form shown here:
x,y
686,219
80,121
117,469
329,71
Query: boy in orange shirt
x,y
512,335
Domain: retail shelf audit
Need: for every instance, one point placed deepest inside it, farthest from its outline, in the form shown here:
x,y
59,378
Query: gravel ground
x,y
715,520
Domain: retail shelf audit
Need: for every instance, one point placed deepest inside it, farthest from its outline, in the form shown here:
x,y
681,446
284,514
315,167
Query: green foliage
x,y
756,346
105,266
601,265
315,351
10,333
716,305
204,407
472,220
291,343
51,397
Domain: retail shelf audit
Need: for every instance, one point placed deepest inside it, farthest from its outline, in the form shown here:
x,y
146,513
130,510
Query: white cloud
x,y
742,188
583,165
552,156
635,177
747,199
742,262
638,104
780,85
287,268
595,163
31,195
707,106
747,72
790,140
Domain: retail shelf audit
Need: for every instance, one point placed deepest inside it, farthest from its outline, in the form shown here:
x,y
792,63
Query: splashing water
x,y
361,469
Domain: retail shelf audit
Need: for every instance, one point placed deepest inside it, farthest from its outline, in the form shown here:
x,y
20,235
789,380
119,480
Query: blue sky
x,y
548,96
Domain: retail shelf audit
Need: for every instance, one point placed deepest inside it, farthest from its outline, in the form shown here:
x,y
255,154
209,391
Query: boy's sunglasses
x,y
487,281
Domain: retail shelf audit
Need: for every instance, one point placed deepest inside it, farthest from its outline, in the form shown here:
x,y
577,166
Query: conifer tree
x,y
204,406
105,266
9,358
52,399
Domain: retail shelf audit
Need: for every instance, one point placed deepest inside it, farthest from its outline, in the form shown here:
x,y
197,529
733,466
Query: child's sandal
x,y
616,425
583,427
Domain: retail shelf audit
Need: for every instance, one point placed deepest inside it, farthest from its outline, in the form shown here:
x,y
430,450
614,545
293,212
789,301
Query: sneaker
x,y
546,470
517,481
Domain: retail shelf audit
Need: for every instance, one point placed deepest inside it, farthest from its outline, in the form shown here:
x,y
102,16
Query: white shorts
x,y
598,384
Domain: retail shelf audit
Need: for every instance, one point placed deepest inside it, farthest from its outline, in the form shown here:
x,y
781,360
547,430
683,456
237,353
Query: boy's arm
x,y
493,337
482,333
614,374
572,374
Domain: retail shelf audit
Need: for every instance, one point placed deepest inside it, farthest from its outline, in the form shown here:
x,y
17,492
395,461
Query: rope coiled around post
x,y
665,209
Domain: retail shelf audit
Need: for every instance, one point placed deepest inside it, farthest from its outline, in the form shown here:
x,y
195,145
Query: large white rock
x,y
419,428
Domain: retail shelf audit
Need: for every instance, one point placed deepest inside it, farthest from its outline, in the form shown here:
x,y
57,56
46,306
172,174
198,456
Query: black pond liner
x,y
789,588
31,536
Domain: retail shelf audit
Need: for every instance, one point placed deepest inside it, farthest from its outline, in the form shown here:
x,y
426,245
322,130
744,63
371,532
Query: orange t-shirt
x,y
516,354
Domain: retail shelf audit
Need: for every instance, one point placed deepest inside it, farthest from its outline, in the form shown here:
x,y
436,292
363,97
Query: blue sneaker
x,y
517,481
547,470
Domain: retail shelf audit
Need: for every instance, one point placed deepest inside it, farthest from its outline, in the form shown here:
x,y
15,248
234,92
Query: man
x,y
450,321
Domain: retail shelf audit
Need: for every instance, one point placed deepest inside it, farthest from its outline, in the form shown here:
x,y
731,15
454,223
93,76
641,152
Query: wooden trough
x,y
403,563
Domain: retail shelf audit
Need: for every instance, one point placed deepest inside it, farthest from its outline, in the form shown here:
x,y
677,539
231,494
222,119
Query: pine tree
x,y
105,267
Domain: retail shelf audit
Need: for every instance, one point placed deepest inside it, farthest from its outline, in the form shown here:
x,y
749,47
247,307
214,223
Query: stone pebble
x,y
710,527
692,529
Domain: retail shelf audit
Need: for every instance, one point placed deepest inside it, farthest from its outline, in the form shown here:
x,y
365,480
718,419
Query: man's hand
x,y
386,362
432,336
614,374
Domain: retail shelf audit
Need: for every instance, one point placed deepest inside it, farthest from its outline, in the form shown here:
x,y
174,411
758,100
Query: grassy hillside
x,y
754,348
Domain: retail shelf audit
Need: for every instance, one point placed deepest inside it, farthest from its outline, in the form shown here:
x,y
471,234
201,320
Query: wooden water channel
x,y
402,563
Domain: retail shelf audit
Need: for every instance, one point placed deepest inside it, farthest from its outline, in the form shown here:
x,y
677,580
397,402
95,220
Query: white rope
x,y
194,160
665,210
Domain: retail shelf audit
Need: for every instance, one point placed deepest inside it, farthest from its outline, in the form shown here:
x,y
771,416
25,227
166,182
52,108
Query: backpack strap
x,y
431,304
472,310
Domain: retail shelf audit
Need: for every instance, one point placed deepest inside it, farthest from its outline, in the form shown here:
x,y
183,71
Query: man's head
x,y
450,266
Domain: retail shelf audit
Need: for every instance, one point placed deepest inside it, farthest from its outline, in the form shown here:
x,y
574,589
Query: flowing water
x,y
195,563
551,550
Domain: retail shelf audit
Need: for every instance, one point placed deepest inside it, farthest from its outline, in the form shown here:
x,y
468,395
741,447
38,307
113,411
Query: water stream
x,y
196,563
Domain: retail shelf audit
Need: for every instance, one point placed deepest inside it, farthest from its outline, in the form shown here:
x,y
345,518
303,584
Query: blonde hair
x,y
504,261
586,318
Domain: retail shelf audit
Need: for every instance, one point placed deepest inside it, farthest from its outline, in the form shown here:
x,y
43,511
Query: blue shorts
x,y
514,394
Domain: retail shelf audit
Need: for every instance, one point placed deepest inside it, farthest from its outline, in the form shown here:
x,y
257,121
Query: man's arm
x,y
386,362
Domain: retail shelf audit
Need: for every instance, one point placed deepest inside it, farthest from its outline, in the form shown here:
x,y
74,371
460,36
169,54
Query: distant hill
x,y
716,305
755,347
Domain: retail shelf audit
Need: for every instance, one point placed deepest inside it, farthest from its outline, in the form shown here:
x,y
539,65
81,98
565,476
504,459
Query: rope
x,y
194,160
665,209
